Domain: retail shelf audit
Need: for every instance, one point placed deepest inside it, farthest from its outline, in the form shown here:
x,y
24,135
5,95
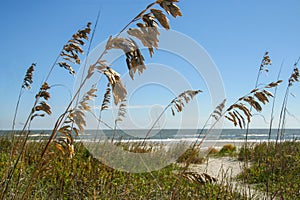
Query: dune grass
x,y
275,168
84,177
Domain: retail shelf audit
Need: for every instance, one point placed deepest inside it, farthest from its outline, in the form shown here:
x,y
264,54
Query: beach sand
x,y
219,167
225,169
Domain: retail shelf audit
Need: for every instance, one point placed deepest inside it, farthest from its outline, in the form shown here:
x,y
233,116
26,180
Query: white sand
x,y
219,167
225,169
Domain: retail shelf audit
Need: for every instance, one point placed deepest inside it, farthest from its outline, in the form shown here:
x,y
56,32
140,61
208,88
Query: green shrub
x,y
212,151
274,168
227,150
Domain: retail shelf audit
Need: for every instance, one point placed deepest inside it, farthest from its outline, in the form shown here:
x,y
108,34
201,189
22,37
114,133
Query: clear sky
x,y
235,34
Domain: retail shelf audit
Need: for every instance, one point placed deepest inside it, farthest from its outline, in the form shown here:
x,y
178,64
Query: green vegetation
x,y
227,150
191,155
275,168
195,156
84,177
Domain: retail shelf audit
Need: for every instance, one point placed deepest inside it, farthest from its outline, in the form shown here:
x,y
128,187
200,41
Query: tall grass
x,y
84,177
60,168
274,171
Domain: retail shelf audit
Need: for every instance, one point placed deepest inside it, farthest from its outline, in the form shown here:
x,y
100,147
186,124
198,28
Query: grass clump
x,y
191,155
136,147
212,151
275,168
227,150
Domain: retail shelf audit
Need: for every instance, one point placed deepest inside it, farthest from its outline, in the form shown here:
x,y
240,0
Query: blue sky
x,y
234,33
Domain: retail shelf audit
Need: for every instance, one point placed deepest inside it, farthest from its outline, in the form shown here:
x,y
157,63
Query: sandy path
x,y
219,167
225,169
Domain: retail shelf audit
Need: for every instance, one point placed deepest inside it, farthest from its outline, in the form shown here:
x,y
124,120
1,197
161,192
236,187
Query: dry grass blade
x,y
250,100
119,43
65,147
43,93
147,35
262,97
231,118
135,61
243,108
45,86
65,129
142,13
64,139
67,66
73,48
269,94
90,72
163,20
148,32
254,90
179,102
170,7
112,76
189,94
266,61
134,58
240,119
259,95
149,20
120,116
106,99
294,76
121,111
74,123
43,106
100,65
202,178
236,117
37,115
273,84
216,114
89,95
83,104
119,91
28,77
60,147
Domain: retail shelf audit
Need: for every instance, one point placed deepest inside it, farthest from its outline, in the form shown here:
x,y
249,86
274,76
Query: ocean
x,y
174,135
